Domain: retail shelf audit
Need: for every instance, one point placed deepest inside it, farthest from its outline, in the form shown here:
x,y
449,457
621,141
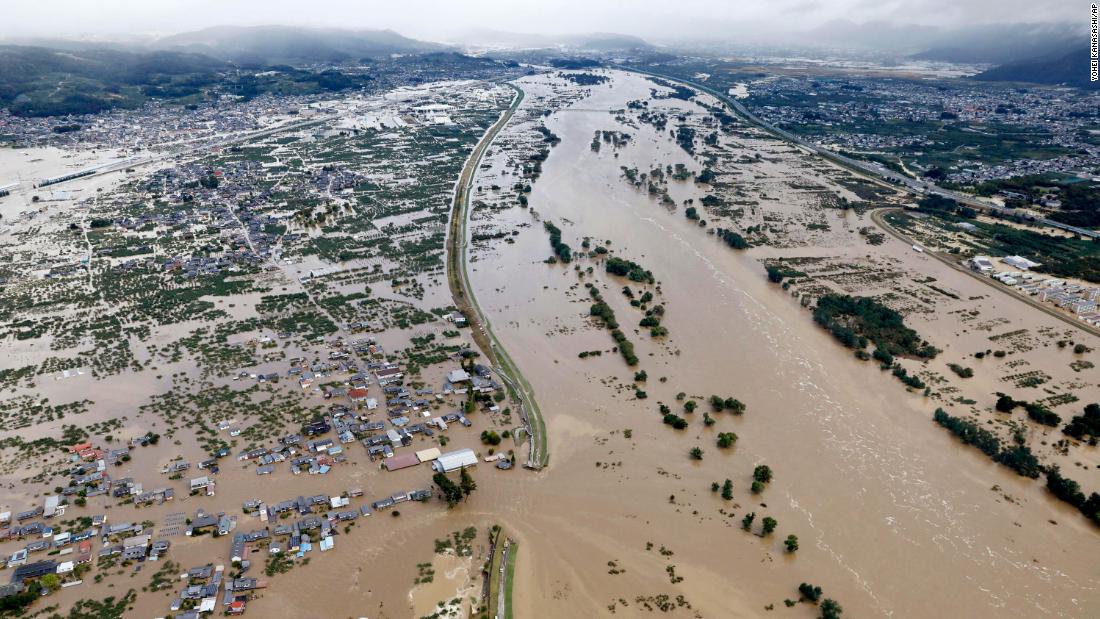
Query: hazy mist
x,y
657,20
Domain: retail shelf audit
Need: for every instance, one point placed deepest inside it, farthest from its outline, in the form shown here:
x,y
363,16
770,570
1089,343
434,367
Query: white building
x,y
50,509
1019,262
454,460
1084,306
200,483
981,264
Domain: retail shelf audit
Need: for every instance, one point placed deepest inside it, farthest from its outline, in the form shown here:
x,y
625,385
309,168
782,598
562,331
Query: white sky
x,y
659,19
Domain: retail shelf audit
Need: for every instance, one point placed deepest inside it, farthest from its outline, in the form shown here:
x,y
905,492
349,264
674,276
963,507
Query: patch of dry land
x,y
221,348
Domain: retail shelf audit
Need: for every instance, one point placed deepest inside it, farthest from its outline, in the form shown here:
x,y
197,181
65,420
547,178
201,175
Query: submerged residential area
x,y
326,322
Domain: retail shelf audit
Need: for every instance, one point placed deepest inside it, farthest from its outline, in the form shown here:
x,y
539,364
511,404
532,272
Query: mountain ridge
x,y
276,44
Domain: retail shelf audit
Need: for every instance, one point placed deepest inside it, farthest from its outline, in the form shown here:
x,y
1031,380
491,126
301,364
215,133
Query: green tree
x,y
769,525
452,493
735,406
791,543
810,592
689,406
762,473
675,421
830,609
466,483
696,453
727,490
746,522
15,603
51,582
726,439
775,274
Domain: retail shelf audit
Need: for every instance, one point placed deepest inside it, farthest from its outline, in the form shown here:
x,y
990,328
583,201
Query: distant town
x,y
548,325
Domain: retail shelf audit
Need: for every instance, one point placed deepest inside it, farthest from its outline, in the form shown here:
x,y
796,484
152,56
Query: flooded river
x,y
894,517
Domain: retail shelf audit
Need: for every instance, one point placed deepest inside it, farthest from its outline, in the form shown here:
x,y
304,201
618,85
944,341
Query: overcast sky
x,y
436,19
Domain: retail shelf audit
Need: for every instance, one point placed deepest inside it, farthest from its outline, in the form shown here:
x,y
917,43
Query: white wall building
x,y
454,460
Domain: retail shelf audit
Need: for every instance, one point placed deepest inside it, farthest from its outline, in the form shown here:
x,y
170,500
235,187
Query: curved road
x,y
892,178
481,330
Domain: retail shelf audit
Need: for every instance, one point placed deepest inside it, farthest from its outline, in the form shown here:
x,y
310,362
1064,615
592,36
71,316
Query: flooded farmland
x,y
710,447
894,517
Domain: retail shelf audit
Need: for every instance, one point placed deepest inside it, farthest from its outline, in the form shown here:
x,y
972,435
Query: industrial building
x,y
454,460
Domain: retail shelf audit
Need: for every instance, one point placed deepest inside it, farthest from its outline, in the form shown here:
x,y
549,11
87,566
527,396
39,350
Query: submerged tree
x,y
791,542
830,609
810,592
452,493
466,483
769,525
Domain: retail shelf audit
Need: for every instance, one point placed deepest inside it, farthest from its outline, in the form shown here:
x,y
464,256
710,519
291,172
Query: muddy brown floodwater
x,y
895,517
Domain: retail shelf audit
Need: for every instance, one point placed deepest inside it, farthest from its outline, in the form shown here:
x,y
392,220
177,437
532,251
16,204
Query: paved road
x,y
466,301
894,178
864,167
501,610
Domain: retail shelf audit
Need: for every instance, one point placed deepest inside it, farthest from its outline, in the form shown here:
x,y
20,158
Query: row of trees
x,y
1017,456
675,421
561,250
1070,491
776,274
830,609
733,405
767,524
1035,411
603,311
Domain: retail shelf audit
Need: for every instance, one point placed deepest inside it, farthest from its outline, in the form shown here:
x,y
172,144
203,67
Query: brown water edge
x,y
455,582
895,518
